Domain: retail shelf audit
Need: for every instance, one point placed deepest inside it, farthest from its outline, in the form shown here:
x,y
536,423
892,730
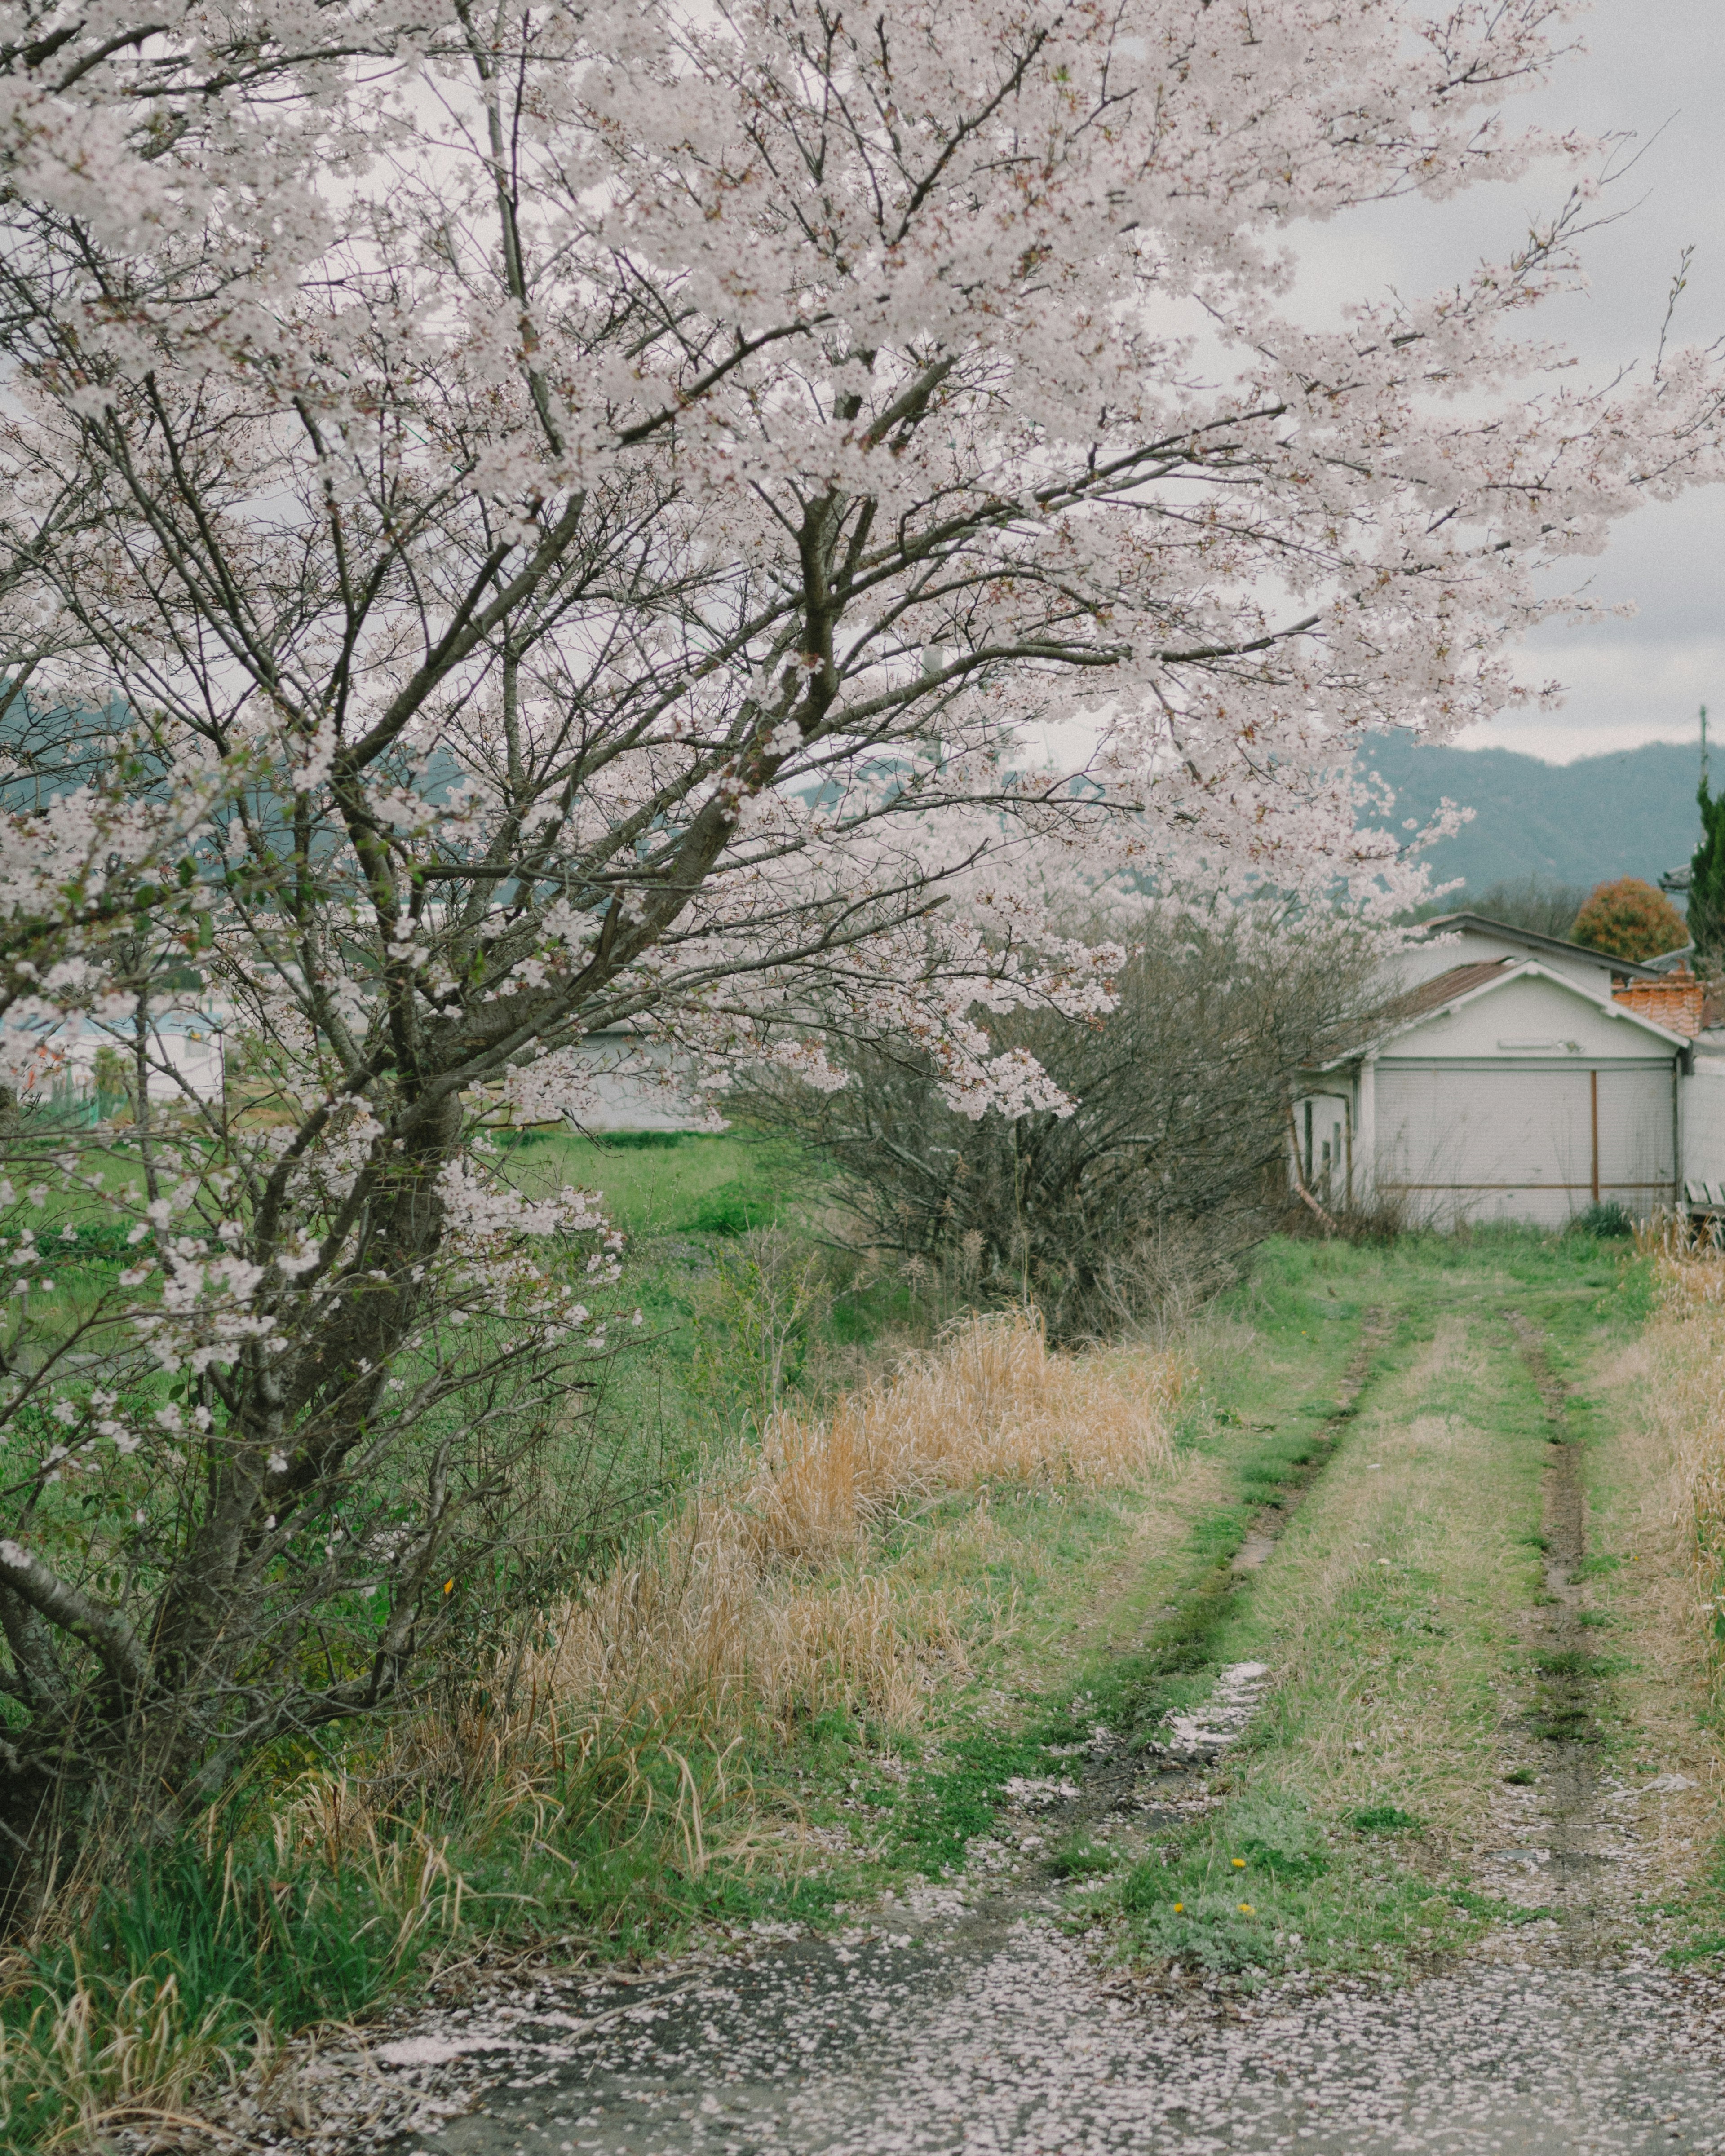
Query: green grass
x,y
1268,1888
1264,1887
1340,1864
1699,1915
192,1957
670,1184
686,1204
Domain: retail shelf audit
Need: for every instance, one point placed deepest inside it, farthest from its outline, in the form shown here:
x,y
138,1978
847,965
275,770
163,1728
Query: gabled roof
x,y
1529,939
1463,984
1445,987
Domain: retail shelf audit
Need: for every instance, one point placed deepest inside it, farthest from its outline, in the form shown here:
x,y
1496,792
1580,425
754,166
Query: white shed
x,y
1500,1089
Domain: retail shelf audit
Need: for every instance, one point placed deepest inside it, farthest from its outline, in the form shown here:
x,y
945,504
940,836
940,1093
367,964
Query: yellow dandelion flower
x,y
1239,1864
1245,1908
1179,1908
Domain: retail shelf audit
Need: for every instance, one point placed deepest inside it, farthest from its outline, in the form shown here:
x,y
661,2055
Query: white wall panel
x,y
1531,1020
1483,1144
1638,1138
1703,1101
1516,1141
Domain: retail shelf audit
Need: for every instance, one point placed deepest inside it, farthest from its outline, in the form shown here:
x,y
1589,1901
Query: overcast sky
x,y
1655,69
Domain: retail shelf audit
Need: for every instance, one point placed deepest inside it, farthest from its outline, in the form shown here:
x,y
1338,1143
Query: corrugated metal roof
x,y
1444,988
1673,1001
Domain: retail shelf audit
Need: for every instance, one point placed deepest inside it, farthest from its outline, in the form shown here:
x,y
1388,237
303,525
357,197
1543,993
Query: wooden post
x,y
1593,1081
1348,1119
1304,1196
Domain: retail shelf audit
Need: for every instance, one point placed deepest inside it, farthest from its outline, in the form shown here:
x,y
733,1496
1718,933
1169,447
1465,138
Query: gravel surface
x,y
985,2031
1023,2051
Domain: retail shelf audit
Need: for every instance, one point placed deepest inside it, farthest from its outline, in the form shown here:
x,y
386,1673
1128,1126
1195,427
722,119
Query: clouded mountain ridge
x,y
1631,813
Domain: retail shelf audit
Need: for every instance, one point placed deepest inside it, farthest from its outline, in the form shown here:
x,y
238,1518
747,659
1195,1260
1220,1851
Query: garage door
x,y
1523,1144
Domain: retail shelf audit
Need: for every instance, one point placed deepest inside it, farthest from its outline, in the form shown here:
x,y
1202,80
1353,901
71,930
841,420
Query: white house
x,y
1521,1079
1461,939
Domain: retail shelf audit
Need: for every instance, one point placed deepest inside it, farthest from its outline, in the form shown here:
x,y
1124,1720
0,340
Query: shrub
x,y
1706,877
1630,919
1172,1164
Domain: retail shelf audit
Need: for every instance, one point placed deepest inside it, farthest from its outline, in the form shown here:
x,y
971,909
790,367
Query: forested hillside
x,y
1630,813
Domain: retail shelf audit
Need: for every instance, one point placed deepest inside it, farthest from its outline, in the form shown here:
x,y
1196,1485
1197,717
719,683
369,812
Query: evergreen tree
x,y
1707,879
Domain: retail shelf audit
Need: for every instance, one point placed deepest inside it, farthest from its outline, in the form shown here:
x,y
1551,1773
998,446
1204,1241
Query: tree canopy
x,y
1707,877
1630,919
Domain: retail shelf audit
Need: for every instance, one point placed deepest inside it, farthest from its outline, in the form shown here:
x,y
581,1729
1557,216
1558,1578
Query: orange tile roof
x,y
1673,1001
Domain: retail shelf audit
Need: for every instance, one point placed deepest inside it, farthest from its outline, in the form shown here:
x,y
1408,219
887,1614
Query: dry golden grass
x,y
126,2059
1659,1500
94,2053
759,1601
1677,1524
773,1594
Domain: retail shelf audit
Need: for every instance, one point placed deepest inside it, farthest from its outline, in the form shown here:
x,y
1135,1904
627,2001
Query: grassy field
x,y
853,1615
723,1232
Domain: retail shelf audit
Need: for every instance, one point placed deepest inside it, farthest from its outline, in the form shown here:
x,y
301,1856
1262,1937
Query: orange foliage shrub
x,y
1630,919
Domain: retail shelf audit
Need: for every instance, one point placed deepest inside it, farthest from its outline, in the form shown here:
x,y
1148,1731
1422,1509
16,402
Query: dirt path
x,y
1009,2042
963,2016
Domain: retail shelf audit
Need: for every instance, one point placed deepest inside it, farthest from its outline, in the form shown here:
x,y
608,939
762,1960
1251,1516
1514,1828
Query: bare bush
x,y
1169,1166
1533,903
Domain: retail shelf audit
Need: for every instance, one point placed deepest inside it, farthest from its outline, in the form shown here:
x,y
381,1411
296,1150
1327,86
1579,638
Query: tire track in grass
x,y
1185,1645
1106,1748
1100,1743
1578,1840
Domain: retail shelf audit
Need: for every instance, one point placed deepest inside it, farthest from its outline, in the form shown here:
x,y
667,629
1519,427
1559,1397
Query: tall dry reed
x,y
758,1600
1688,1401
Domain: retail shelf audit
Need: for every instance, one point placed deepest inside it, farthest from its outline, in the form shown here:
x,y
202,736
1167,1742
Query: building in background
x,y
1513,1077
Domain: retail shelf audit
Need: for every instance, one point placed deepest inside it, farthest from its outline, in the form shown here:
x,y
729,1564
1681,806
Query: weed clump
x,y
1605,1221
1384,1818
1261,1888
1083,1857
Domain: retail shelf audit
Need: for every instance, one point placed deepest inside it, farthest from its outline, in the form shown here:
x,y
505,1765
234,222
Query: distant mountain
x,y
1629,813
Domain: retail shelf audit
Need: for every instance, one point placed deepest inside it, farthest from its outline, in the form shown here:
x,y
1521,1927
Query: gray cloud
x,y
1654,72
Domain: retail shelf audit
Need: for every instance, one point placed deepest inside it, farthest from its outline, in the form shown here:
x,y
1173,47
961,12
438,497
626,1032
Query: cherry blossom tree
x,y
570,516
